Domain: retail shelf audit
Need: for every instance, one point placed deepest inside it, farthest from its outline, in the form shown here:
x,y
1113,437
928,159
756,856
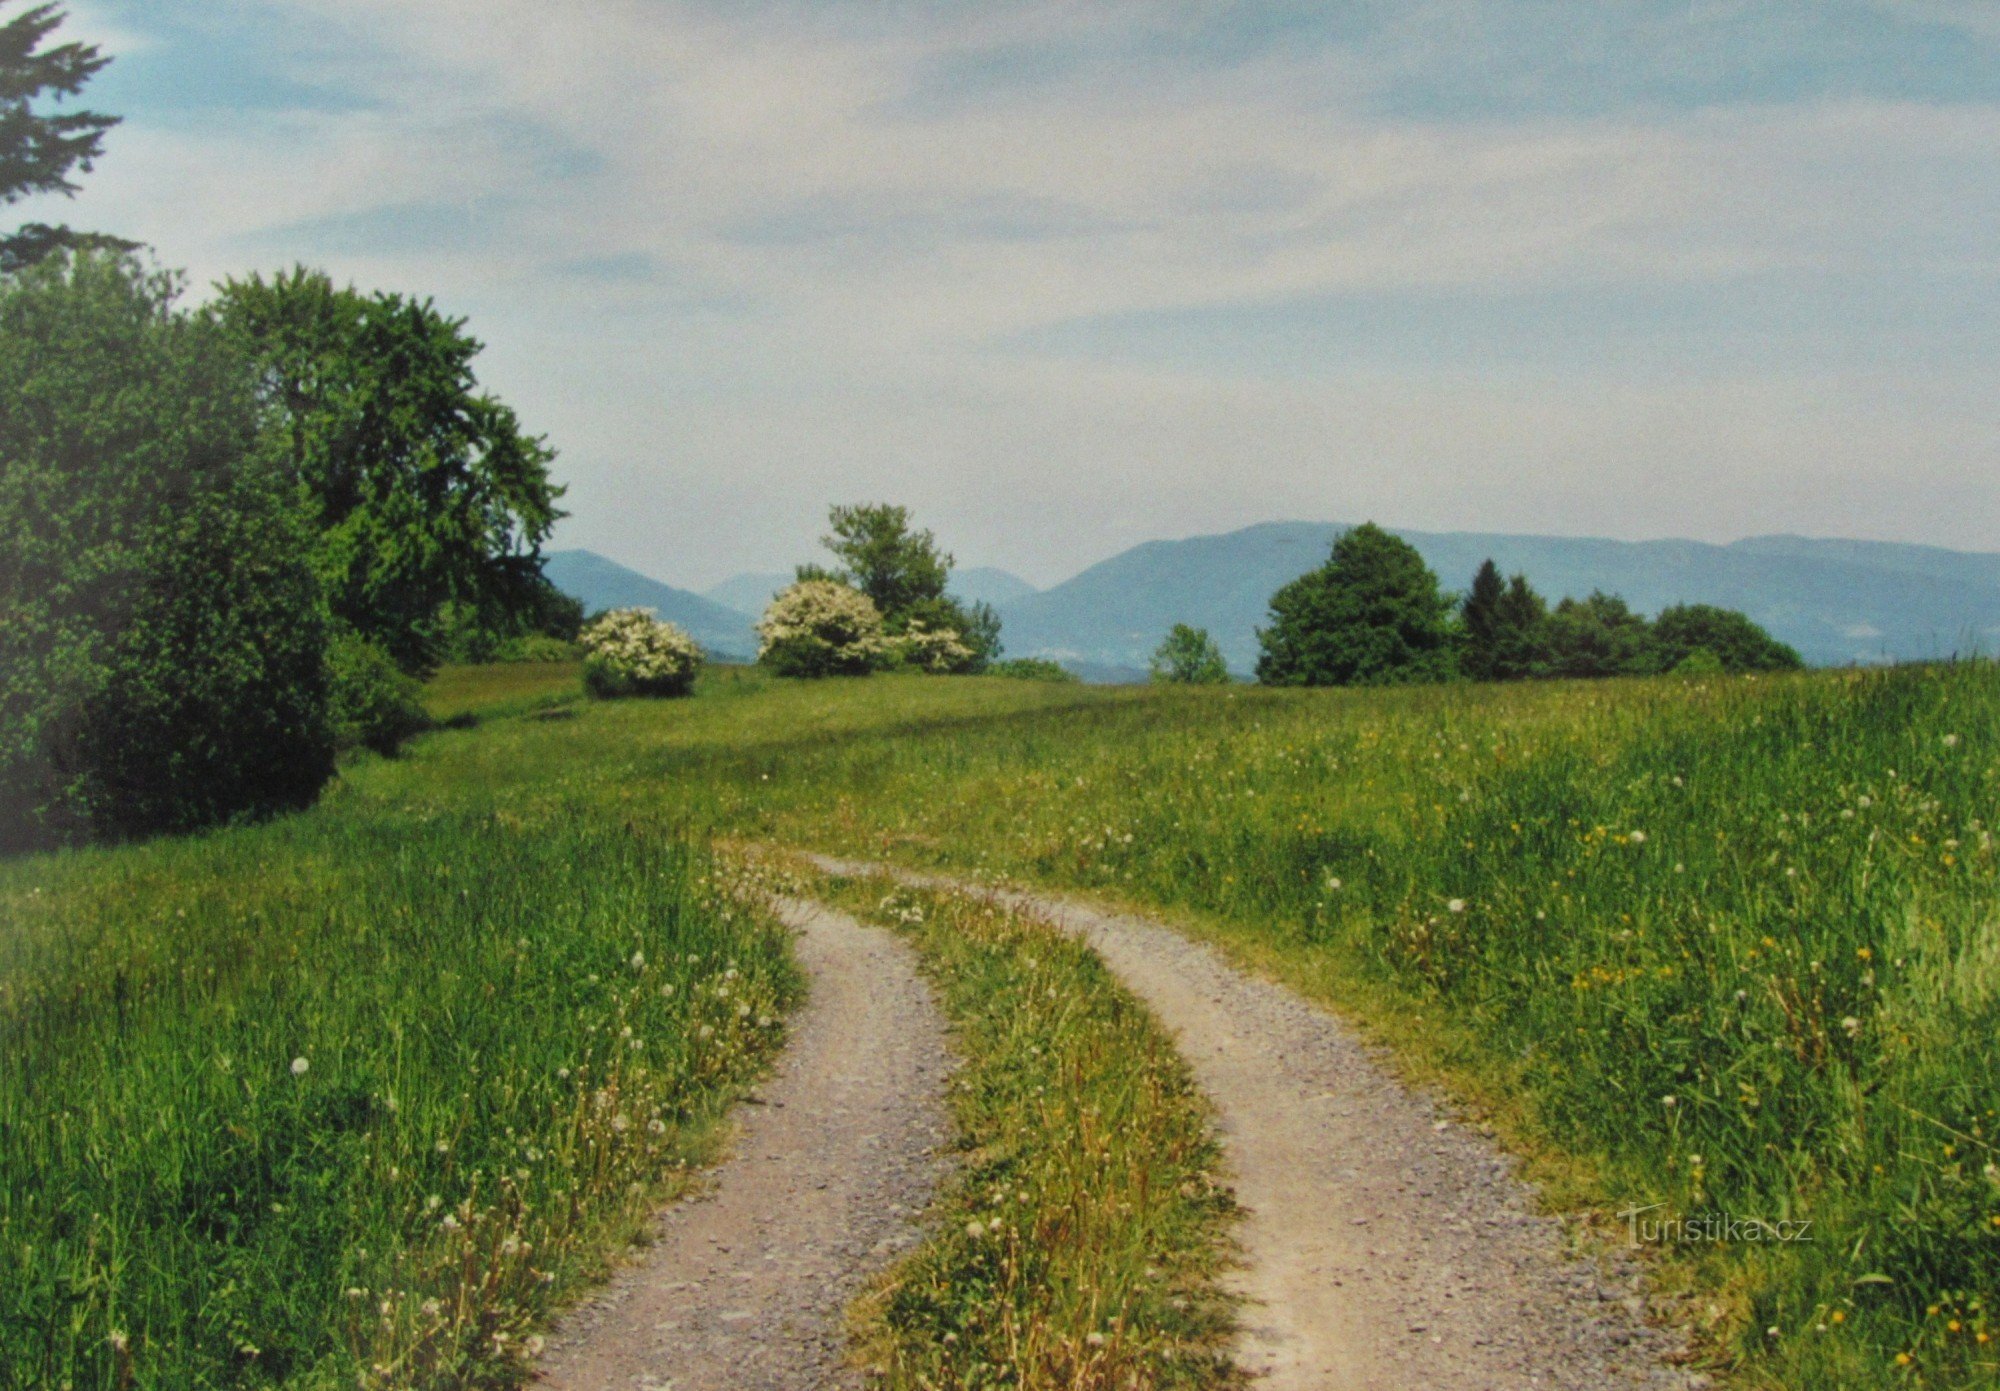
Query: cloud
x,y
1465,263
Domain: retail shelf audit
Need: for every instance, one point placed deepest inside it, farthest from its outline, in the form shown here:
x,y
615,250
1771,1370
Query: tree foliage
x,y
820,627
40,148
1501,628
1188,656
422,491
1371,616
905,575
1507,633
161,635
1734,643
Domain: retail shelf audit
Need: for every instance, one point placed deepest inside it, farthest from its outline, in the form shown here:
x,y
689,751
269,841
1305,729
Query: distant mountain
x,y
985,584
1837,602
748,594
605,584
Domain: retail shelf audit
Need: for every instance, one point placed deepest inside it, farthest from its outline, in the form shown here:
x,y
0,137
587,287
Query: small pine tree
x,y
1189,657
1500,627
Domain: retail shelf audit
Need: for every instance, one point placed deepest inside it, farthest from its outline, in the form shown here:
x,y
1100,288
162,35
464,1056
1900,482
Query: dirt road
x,y
1386,1246
746,1286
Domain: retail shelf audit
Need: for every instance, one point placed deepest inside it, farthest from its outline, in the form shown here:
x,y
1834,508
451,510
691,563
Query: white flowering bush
x,y
822,628
630,652
938,650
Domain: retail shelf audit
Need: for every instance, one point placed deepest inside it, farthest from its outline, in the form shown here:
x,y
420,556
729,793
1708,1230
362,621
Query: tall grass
x,y
355,1096
1732,943
1725,945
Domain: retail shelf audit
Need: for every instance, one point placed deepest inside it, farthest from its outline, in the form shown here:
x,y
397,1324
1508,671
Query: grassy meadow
x,y
1725,945
355,1097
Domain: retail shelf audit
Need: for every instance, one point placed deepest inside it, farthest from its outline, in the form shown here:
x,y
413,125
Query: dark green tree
x,y
1188,656
1732,639
424,493
1598,636
39,147
162,638
906,575
1500,627
1371,616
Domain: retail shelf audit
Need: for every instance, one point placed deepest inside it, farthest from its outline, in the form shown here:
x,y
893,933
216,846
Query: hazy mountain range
x,y
1836,601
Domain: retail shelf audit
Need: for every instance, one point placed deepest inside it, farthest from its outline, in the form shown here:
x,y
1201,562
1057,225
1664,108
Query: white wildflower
x,y
299,1066
1456,905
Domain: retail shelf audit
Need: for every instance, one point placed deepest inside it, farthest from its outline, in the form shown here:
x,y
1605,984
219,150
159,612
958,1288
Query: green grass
x,y
512,1032
464,694
1802,950
1812,850
1080,1242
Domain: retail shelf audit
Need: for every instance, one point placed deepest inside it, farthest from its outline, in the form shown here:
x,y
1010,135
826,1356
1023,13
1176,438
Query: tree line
x,y
232,537
1374,614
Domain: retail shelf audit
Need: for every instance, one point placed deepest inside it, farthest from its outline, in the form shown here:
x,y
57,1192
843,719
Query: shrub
x,y
1034,669
629,652
936,650
822,627
162,645
1189,657
375,705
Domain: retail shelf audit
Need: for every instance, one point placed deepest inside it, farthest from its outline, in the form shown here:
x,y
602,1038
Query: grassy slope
x,y
1812,854
1797,947
511,1033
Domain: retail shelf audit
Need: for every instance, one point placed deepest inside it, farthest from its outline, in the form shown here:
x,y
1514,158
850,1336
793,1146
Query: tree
x,y
1731,640
422,490
1371,616
905,575
894,566
1500,627
1189,657
38,148
1598,636
162,638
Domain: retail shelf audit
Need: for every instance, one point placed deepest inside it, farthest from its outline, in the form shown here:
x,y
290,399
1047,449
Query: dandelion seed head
x,y
299,1066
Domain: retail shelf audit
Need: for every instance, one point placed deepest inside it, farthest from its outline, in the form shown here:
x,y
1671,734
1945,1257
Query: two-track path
x,y
746,1286
1385,1246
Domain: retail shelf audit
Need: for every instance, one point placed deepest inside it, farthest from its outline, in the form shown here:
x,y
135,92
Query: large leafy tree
x,y
40,148
1732,640
902,570
1597,636
424,493
1373,615
162,642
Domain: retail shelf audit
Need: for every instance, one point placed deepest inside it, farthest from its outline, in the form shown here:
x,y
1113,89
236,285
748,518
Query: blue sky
x,y
1066,277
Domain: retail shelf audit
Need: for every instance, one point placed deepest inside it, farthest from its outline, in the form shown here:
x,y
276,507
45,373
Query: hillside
x,y
605,584
1837,602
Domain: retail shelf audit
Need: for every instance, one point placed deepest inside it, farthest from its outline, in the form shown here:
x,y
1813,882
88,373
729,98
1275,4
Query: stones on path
x,y
746,1286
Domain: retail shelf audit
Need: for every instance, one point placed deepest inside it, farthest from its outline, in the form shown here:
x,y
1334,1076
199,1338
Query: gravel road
x,y
1386,1246
746,1285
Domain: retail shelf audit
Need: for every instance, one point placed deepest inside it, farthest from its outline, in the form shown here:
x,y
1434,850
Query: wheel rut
x,y
745,1286
1385,1245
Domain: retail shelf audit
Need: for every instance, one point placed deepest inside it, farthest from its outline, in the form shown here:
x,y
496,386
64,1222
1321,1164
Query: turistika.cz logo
x,y
1693,1228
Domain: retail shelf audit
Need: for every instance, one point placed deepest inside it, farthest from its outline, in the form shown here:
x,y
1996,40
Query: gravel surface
x,y
1385,1245
834,1160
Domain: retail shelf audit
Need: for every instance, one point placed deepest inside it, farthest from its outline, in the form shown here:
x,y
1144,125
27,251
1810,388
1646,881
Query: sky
x,y
1065,277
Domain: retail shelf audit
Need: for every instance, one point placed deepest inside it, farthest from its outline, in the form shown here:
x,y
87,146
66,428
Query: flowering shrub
x,y
630,652
822,628
936,650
